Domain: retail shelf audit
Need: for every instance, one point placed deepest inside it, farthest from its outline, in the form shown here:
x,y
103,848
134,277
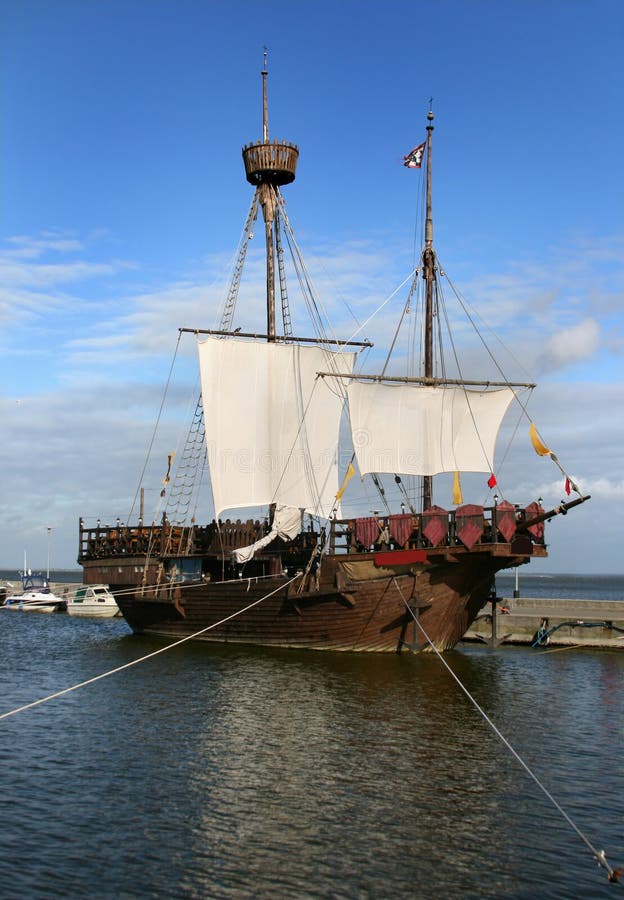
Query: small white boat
x,y
92,600
35,596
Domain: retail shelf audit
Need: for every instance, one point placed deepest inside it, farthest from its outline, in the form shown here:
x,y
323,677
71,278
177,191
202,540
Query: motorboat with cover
x,y
35,596
94,600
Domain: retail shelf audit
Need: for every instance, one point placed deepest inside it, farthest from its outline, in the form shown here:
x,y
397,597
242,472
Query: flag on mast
x,y
349,474
457,491
414,158
538,445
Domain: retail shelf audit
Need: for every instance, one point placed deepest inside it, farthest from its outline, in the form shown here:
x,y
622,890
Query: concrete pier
x,y
552,622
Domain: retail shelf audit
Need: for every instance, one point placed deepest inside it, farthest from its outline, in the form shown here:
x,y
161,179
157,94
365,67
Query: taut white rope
x,y
141,659
599,856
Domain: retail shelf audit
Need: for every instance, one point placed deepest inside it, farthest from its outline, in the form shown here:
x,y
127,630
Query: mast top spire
x,y
265,102
429,219
265,162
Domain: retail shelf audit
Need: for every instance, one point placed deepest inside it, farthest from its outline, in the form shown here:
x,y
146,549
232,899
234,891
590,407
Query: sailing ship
x,y
302,574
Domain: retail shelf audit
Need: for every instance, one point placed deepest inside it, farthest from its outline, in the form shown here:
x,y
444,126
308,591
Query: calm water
x,y
236,773
567,587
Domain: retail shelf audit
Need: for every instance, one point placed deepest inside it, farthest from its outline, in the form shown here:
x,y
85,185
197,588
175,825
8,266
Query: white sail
x,y
271,425
411,429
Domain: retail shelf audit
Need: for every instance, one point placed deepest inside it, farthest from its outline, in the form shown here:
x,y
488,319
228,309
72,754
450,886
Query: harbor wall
x,y
555,622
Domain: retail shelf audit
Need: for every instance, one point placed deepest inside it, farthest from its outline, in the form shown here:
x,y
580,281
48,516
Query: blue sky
x,y
123,198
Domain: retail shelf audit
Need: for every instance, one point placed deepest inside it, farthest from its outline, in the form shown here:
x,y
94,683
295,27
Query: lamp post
x,y
49,530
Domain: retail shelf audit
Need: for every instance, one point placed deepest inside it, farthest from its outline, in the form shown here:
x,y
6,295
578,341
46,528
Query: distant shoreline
x,y
7,572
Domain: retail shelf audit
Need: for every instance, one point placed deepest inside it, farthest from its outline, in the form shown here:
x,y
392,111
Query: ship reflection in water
x,y
239,772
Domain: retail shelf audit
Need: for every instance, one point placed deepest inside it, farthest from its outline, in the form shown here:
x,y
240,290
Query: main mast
x,y
428,270
268,166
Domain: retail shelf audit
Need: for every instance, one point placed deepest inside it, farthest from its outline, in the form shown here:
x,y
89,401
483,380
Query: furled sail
x,y
286,525
413,429
271,425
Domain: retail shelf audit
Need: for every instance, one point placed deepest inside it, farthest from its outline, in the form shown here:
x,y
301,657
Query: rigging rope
x,y
381,491
141,659
297,260
381,306
156,424
186,483
286,320
599,855
311,480
471,318
319,318
523,406
440,297
229,306
406,309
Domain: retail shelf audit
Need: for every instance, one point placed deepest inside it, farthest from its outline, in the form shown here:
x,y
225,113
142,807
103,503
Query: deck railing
x,y
466,526
463,527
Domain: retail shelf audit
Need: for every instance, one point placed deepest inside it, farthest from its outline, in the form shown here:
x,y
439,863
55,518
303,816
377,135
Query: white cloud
x,y
79,435
25,247
571,345
605,488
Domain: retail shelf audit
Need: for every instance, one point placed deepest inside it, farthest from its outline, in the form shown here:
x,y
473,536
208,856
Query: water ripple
x,y
228,772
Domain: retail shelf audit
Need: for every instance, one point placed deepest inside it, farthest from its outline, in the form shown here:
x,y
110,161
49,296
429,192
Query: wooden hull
x,y
358,606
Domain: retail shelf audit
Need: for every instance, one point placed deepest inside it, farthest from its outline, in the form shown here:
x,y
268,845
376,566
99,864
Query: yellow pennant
x,y
539,448
347,478
457,491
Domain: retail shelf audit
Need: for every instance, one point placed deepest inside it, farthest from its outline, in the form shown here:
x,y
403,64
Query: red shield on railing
x,y
506,519
366,531
400,527
435,526
469,524
532,510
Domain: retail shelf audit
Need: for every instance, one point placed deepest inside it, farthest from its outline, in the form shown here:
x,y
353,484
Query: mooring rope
x,y
145,589
599,855
141,659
